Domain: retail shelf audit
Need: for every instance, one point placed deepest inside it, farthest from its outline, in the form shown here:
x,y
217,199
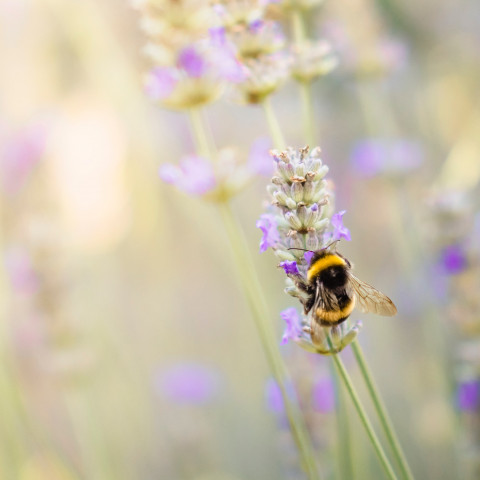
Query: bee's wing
x,y
369,299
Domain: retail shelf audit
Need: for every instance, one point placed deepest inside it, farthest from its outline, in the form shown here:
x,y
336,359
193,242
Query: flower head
x,y
302,220
453,259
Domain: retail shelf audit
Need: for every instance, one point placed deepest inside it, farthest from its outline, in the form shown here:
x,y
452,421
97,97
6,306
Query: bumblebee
x,y
332,291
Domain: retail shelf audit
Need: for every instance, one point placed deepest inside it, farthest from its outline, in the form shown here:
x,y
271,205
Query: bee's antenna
x,y
332,243
303,249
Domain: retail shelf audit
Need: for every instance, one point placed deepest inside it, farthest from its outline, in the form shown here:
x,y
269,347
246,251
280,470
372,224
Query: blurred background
x,y
128,350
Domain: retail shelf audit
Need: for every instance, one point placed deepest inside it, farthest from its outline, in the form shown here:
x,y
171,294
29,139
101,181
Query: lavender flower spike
x,y
302,219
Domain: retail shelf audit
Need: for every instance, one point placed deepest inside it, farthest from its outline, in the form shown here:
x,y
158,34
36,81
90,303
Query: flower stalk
x,y
382,412
342,372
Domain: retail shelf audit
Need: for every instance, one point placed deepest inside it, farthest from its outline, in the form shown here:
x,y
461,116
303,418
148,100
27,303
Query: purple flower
x,y
378,156
293,329
190,60
468,395
22,275
453,259
20,152
323,395
267,224
259,159
308,256
188,383
290,267
273,396
339,230
194,175
225,64
160,82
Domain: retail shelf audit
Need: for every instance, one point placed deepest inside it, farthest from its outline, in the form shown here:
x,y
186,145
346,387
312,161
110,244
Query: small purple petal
x,y
160,82
290,267
339,230
308,256
323,395
191,62
293,329
268,225
314,207
453,259
188,383
259,159
468,395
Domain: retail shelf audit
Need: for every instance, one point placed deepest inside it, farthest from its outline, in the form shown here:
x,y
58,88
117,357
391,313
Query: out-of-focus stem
x,y
299,36
273,124
307,113
382,412
200,134
364,418
344,447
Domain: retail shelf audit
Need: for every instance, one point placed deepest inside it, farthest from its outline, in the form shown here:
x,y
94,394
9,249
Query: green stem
x,y
251,286
298,26
344,447
199,132
307,113
382,412
273,125
300,36
364,418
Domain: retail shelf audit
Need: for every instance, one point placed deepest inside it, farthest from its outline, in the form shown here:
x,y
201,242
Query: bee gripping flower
x,y
301,219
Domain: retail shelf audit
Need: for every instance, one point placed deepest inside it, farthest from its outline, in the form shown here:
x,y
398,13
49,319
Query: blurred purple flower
x,y
188,383
308,257
21,272
161,82
290,268
259,159
453,259
191,62
293,329
20,152
267,224
339,230
194,175
376,156
468,395
323,395
273,396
